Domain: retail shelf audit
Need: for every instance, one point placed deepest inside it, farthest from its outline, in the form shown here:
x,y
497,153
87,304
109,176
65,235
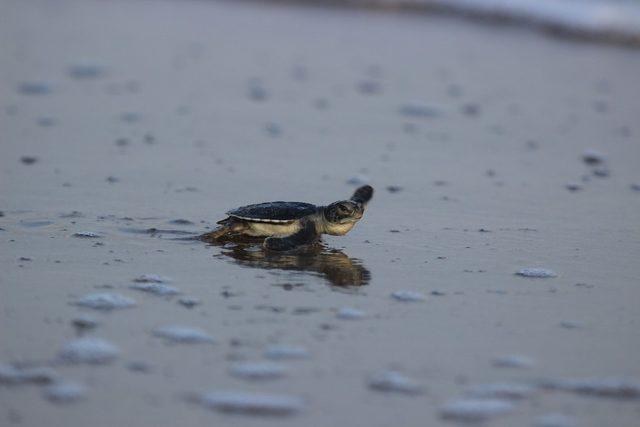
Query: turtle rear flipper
x,y
363,194
307,234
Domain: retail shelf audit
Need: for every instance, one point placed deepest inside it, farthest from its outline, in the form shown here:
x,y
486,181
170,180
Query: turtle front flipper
x,y
363,194
227,227
306,235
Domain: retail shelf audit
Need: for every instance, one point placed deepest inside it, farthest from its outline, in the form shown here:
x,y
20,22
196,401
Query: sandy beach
x,y
128,127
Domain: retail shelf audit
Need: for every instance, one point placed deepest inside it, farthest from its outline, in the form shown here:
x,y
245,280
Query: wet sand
x,y
183,110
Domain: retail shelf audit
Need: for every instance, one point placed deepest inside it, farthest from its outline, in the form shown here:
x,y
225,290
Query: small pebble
x,y
475,410
151,278
257,370
257,92
418,111
183,335
299,73
130,117
189,302
93,351
105,301
28,160
64,392
45,122
567,324
348,313
573,187
72,214
618,388
369,87
273,129
34,88
139,366
156,289
85,322
513,361
600,106
87,235
455,91
392,381
408,296
584,285
86,71
321,103
541,273
252,403
394,188
601,171
358,180
181,221
509,391
593,157
471,109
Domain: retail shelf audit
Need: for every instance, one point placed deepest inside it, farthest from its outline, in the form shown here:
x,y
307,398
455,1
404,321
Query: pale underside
x,y
267,227
259,228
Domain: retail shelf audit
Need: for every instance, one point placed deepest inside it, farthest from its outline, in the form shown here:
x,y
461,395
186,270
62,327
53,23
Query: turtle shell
x,y
273,211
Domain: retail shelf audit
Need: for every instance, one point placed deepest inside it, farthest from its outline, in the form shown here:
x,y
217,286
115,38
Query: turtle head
x,y
344,212
363,194
340,217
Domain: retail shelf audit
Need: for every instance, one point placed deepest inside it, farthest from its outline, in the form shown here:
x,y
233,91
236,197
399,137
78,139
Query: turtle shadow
x,y
332,264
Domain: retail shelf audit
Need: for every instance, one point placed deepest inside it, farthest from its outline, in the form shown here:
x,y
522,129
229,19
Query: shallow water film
x,y
493,277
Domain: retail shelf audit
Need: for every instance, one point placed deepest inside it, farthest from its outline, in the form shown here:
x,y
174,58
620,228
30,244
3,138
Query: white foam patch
x,y
10,374
475,410
89,350
105,301
184,335
348,313
64,392
395,382
594,17
257,370
554,420
408,296
279,352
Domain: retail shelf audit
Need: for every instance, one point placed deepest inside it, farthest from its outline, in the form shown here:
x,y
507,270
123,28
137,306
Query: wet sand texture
x,y
493,277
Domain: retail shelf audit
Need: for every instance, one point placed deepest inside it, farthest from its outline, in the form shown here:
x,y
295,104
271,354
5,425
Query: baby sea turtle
x,y
287,225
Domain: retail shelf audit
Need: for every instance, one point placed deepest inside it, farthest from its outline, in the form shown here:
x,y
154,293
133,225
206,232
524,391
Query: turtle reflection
x,y
332,264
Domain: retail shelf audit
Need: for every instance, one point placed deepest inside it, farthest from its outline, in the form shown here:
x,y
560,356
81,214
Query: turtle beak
x,y
359,211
